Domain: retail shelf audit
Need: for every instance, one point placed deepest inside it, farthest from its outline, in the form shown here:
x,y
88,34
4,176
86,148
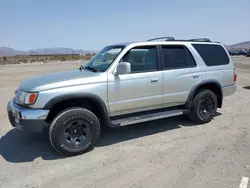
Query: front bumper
x,y
26,119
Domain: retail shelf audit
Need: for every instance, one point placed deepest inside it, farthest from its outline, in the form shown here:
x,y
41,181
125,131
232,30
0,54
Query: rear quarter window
x,y
212,54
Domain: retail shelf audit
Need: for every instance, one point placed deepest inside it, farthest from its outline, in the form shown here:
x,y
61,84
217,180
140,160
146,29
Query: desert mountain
x,y
6,51
242,45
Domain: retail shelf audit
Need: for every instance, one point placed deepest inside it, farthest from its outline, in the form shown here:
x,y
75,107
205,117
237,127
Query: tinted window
x,y
177,57
142,59
212,54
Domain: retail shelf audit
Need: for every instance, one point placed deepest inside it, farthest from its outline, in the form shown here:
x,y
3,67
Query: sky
x,y
92,24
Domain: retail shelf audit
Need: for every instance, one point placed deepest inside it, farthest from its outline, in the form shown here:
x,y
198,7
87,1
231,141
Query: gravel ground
x,y
171,152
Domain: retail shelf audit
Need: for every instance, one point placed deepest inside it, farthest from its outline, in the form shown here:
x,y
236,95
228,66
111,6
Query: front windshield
x,y
103,59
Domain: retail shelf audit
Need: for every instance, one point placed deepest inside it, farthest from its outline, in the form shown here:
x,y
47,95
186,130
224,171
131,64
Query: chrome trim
x,y
26,113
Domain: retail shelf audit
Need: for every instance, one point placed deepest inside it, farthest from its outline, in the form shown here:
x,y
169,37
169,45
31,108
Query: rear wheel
x,y
74,131
203,107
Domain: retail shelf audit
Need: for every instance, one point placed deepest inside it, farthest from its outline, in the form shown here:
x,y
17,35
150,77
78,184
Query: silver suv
x,y
125,84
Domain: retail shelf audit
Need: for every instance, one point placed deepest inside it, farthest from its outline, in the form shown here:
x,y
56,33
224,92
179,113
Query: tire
x,y
203,107
74,131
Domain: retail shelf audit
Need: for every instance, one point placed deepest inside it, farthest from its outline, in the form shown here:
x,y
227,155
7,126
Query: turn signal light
x,y
30,98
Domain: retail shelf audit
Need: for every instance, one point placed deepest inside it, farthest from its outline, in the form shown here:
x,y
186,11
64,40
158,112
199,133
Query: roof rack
x,y
173,39
167,38
201,40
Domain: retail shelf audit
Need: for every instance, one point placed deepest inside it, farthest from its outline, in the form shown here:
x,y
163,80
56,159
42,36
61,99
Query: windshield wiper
x,y
81,67
89,68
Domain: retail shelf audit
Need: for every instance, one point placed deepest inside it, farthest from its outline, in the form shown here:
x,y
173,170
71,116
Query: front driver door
x,y
142,88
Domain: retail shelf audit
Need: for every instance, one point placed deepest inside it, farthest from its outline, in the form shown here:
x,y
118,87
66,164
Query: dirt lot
x,y
165,153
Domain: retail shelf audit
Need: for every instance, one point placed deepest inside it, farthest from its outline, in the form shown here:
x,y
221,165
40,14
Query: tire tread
x,y
193,115
63,113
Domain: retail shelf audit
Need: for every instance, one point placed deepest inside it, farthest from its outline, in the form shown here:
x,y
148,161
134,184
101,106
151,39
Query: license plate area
x,y
16,116
15,113
17,120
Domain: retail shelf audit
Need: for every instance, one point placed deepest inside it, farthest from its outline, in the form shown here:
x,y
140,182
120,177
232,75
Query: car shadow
x,y
18,146
217,114
247,87
112,136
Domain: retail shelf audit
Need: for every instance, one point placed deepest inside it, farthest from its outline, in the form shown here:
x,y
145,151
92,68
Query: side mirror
x,y
123,68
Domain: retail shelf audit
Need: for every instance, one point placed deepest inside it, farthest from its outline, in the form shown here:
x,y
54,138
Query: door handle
x,y
196,76
154,80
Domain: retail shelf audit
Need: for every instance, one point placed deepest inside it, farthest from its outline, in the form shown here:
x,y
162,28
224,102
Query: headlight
x,y
23,97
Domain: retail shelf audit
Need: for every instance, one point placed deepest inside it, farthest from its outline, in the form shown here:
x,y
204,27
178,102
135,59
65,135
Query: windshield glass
x,y
103,59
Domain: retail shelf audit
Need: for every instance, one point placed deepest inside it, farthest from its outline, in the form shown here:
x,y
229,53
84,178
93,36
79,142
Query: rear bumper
x,y
229,90
32,120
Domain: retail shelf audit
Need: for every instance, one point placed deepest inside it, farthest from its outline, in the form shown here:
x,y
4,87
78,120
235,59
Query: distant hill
x,y
6,51
242,45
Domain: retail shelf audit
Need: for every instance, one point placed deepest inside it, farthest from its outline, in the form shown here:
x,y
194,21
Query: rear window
x,y
212,54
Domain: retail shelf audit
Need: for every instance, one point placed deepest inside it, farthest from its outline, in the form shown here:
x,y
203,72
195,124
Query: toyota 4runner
x,y
125,84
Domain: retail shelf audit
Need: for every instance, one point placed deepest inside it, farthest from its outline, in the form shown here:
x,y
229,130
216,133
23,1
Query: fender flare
x,y
98,100
195,88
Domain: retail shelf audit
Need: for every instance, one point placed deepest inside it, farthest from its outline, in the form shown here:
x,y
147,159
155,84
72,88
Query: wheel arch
x,y
89,101
212,85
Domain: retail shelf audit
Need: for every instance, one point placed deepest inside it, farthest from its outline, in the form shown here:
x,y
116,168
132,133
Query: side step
x,y
147,117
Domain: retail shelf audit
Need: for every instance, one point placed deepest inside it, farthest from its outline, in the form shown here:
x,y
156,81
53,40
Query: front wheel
x,y
203,107
74,131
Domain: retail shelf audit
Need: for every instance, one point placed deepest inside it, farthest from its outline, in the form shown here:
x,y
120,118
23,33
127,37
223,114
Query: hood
x,y
58,79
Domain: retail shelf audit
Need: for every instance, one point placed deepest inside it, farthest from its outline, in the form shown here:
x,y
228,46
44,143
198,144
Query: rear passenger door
x,y
180,74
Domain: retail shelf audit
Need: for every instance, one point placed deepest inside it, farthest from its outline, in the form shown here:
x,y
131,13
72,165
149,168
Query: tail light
x,y
235,75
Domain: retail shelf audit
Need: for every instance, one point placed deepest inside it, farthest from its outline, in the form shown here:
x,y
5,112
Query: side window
x,y
212,54
177,56
142,59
